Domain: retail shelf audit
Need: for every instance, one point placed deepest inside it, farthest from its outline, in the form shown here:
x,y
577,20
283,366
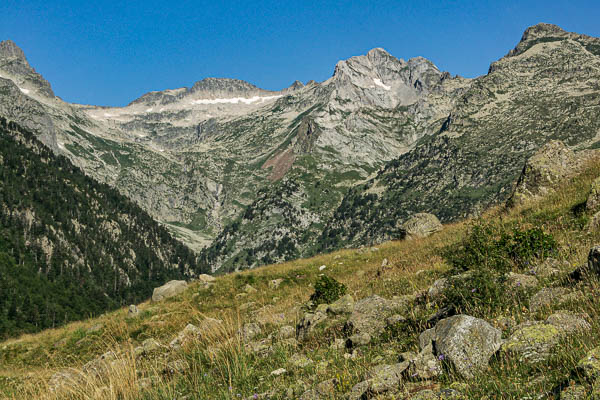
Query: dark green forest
x,y
71,247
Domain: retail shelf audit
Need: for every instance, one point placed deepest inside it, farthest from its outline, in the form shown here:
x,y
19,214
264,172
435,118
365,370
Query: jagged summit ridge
x,y
8,49
14,66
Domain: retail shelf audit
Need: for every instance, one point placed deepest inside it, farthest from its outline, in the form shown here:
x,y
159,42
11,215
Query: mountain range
x,y
246,176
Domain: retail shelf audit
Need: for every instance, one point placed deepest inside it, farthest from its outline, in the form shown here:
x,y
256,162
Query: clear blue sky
x,y
111,52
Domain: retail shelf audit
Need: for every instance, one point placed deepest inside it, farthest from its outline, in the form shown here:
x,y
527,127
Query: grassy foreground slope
x,y
220,363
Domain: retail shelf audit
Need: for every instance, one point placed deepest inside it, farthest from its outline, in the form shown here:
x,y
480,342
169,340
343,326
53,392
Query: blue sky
x,y
111,52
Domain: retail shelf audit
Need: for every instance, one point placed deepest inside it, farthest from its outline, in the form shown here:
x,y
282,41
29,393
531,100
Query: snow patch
x,y
60,145
26,91
149,109
235,100
381,84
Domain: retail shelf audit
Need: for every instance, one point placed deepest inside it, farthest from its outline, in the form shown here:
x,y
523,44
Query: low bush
x,y
327,290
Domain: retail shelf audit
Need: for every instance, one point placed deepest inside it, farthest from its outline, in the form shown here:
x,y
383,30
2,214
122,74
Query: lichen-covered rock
x,y
286,332
249,331
533,342
343,305
576,392
421,225
300,360
425,365
590,364
358,339
436,290
549,267
169,289
467,342
308,323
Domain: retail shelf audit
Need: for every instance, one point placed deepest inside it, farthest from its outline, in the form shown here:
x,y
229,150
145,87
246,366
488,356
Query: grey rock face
x,y
467,342
169,289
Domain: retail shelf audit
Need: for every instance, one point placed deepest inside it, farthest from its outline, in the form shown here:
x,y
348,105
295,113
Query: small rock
x,y
169,289
394,320
384,263
547,297
300,361
286,332
95,328
358,339
343,305
249,331
322,267
275,283
386,378
521,281
308,323
204,278
248,305
436,290
369,315
425,365
278,372
568,323
249,289
590,364
133,311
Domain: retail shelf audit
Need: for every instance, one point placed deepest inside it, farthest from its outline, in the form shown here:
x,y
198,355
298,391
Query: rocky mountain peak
x,y
8,49
224,87
543,32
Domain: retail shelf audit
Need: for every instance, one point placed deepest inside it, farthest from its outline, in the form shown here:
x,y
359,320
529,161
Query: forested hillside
x,y
71,247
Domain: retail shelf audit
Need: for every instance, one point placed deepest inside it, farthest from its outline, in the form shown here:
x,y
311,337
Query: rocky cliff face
x,y
261,174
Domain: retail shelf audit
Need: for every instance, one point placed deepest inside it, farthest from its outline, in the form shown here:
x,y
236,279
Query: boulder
x,y
169,289
467,342
369,315
381,379
421,225
568,323
286,332
249,331
308,323
593,201
533,342
545,170
343,305
437,289
548,297
205,278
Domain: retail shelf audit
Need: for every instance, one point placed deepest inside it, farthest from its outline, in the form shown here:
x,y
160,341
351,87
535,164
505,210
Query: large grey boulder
x,y
421,225
169,289
467,342
545,170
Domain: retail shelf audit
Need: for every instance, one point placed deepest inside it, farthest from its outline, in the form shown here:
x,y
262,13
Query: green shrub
x,y
327,290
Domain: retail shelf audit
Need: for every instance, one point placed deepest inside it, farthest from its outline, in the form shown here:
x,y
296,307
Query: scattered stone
x,y
338,344
308,323
150,345
521,281
133,311
275,283
467,342
533,342
278,372
358,339
343,305
286,332
547,297
436,290
425,365
322,267
95,328
394,319
421,225
568,323
261,348
300,360
63,379
369,315
100,365
549,267
385,262
169,289
386,378
204,278
249,331
208,326
249,289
